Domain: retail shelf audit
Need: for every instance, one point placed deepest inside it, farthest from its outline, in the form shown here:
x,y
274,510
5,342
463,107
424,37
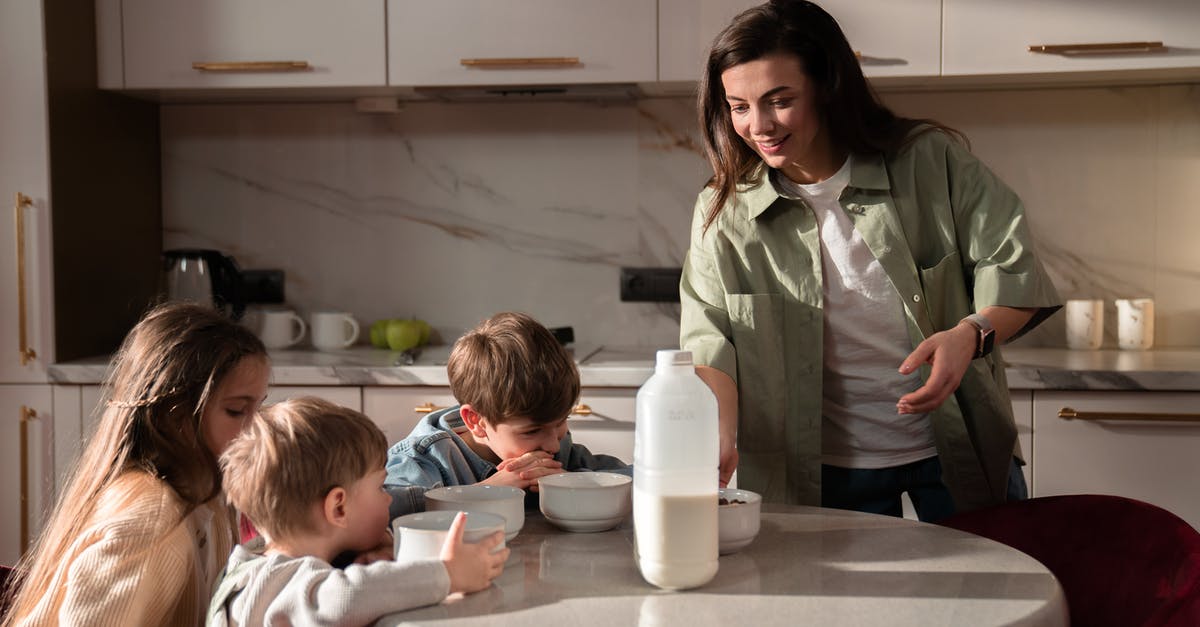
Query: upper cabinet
x,y
178,44
525,42
988,37
893,39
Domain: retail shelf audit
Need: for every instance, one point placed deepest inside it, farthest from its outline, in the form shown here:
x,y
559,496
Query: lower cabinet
x,y
601,421
1141,445
26,465
344,395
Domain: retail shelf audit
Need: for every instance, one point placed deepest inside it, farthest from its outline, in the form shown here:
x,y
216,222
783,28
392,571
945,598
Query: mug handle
x,y
302,327
353,331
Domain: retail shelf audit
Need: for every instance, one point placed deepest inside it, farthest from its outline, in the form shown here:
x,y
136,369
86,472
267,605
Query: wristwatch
x,y
987,334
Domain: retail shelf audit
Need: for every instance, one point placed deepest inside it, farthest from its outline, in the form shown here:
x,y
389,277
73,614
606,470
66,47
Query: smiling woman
x,y
848,272
141,531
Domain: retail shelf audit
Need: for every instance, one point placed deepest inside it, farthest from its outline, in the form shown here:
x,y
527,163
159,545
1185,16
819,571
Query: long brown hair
x,y
162,378
850,111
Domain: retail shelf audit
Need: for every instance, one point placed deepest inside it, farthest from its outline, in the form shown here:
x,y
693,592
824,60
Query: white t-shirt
x,y
865,340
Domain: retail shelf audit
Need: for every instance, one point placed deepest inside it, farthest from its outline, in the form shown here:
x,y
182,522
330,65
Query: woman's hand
x,y
949,352
472,567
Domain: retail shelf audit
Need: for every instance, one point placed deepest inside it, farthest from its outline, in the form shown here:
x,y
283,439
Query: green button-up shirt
x,y
952,238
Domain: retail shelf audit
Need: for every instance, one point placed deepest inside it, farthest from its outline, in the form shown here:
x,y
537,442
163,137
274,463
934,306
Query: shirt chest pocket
x,y
946,291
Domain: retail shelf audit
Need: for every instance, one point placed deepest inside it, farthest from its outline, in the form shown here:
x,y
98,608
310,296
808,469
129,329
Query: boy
x,y
309,475
516,385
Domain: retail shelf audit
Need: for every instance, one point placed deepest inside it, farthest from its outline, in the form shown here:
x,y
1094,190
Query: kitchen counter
x,y
1028,368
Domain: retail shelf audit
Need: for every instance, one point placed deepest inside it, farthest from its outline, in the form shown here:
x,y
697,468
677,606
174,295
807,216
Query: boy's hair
x,y
292,456
510,365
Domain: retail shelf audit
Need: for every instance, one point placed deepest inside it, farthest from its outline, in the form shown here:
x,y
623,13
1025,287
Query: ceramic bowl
x,y
738,520
421,536
585,501
508,503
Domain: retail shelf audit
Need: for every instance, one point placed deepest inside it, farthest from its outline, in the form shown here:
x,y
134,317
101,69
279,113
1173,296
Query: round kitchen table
x,y
808,566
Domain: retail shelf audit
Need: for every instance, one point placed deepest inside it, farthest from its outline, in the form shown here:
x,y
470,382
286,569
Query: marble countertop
x,y
807,565
615,366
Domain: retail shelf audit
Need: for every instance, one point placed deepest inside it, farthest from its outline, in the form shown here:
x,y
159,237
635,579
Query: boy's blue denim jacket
x,y
433,456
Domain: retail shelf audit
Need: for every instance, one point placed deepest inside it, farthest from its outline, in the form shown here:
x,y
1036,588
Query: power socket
x,y
650,285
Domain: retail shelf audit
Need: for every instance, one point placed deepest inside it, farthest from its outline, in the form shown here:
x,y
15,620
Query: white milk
x,y
676,538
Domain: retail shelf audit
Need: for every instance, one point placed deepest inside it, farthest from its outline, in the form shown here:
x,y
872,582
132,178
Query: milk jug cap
x,y
672,358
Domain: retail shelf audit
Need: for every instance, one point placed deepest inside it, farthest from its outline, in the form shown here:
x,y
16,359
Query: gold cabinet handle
x,y
28,415
1067,413
251,66
520,62
581,410
1124,47
27,353
426,408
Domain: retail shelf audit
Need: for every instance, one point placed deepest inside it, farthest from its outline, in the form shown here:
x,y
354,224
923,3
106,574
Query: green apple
x,y
426,331
403,335
379,333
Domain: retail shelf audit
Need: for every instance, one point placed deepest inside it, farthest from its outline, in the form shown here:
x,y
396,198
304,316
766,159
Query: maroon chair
x,y
1120,562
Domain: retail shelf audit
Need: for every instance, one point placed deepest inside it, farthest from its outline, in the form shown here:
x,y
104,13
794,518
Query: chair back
x,y
1121,562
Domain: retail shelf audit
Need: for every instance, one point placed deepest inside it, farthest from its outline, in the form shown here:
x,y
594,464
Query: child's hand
x,y
524,471
385,550
472,567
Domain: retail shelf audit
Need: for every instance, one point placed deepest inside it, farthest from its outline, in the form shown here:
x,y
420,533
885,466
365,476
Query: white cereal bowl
x,y
421,536
737,523
585,501
504,501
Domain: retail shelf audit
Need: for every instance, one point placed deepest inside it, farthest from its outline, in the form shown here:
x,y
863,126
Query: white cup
x,y
332,330
1085,324
280,328
1135,323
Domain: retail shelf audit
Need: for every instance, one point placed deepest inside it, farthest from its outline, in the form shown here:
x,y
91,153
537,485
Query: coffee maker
x,y
204,276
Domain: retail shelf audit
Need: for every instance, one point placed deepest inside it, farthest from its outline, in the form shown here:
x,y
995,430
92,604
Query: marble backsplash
x,y
451,212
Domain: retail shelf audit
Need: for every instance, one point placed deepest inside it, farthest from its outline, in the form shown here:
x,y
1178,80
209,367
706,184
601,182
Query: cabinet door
x,y
346,396
524,42
398,409
26,314
1129,455
987,37
603,421
26,465
893,38
331,43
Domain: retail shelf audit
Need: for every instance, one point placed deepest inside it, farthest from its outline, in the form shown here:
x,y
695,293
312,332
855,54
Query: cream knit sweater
x,y
137,562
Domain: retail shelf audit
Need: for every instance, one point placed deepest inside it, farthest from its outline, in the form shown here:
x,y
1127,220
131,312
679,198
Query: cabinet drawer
x,y
1148,460
987,37
398,409
603,421
342,42
346,396
438,43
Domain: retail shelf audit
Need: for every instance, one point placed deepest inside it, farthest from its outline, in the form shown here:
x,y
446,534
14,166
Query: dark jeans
x,y
878,490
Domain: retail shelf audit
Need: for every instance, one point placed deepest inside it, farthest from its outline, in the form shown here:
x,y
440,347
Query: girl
x,y
141,530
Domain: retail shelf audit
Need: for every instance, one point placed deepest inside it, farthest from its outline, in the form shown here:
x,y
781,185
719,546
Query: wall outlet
x,y
656,285
262,286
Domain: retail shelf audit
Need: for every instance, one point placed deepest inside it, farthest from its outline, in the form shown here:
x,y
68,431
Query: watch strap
x,y
986,334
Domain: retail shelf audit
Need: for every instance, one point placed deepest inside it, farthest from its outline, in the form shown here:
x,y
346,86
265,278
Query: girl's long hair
x,y
162,378
851,113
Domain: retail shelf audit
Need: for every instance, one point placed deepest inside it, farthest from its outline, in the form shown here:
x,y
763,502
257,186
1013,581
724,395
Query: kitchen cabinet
x,y
894,39
184,44
601,421
346,396
1140,445
986,37
26,465
520,42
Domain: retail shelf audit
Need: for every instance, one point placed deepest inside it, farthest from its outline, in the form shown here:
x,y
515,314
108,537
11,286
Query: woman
x,y
849,274
141,530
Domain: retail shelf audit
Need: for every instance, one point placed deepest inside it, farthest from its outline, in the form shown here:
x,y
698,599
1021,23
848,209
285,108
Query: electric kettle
x,y
204,276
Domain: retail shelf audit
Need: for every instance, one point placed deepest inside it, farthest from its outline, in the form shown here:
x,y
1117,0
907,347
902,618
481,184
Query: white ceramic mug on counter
x,y
1135,323
333,330
281,328
1085,323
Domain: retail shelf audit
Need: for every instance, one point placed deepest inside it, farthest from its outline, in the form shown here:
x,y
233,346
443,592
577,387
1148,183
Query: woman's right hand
x,y
472,567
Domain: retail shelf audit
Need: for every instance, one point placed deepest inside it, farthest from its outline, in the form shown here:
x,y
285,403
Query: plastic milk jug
x,y
675,457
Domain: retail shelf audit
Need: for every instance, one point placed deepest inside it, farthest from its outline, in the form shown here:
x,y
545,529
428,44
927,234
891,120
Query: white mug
x,y
281,328
1085,324
332,330
1135,323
